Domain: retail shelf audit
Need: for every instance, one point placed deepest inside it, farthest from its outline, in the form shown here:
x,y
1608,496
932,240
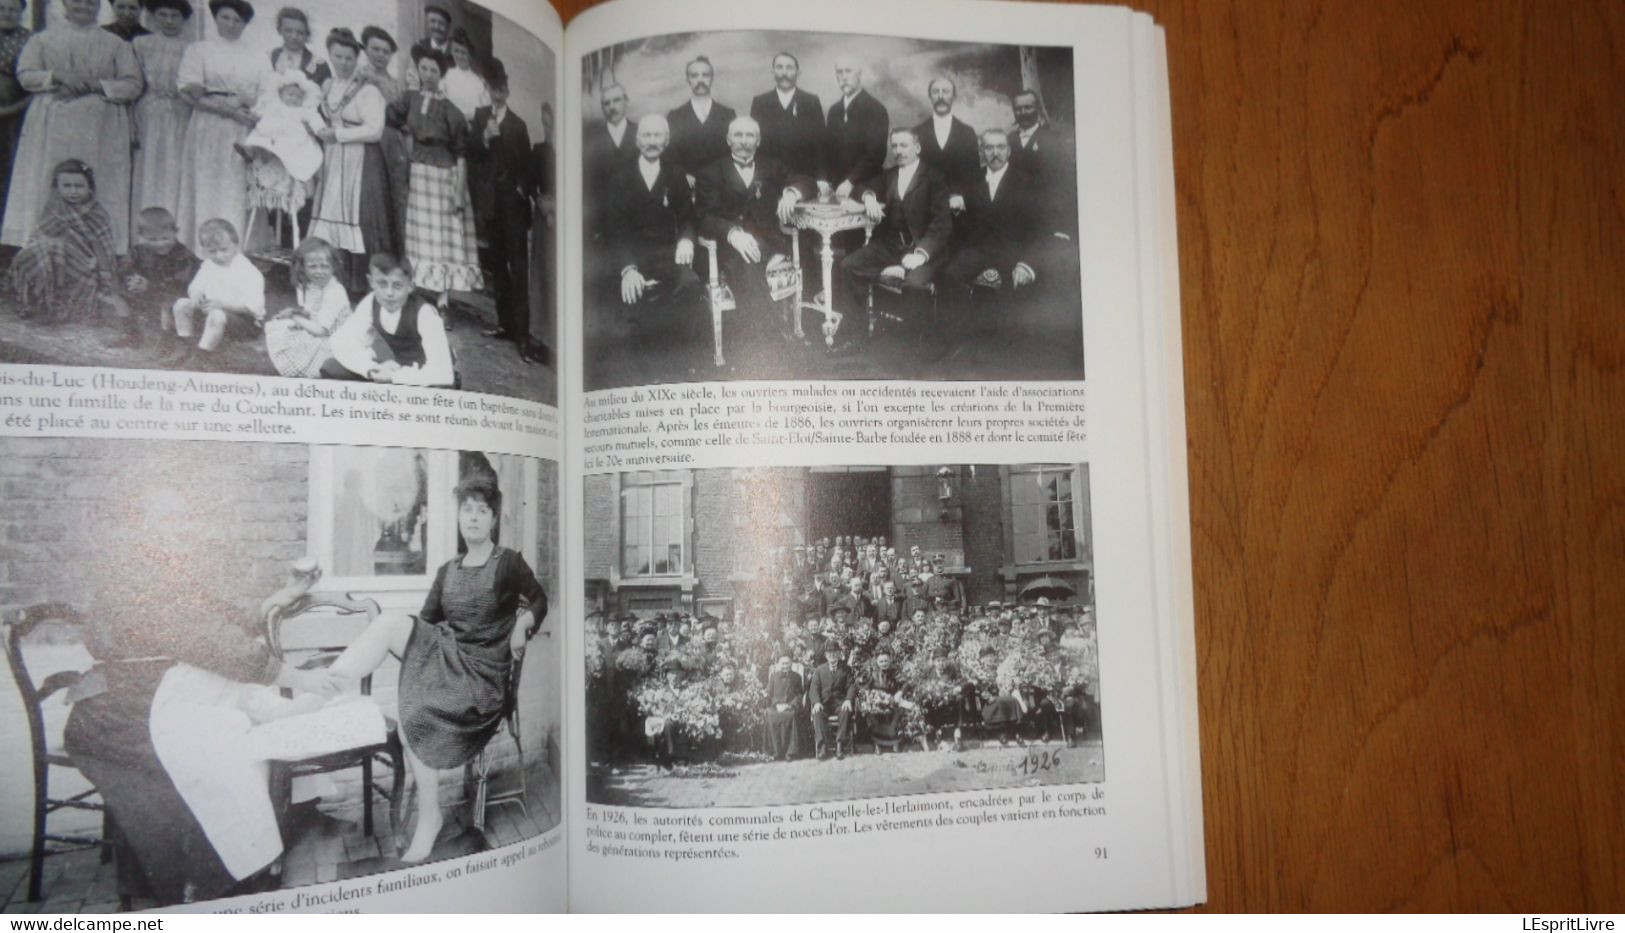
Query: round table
x,y
826,218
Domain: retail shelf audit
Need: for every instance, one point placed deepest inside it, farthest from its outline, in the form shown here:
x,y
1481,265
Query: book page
x,y
279,431
883,544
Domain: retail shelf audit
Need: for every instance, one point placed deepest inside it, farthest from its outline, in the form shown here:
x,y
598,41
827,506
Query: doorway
x,y
848,501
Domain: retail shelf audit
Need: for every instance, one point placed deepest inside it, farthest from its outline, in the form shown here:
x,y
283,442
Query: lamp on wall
x,y
946,491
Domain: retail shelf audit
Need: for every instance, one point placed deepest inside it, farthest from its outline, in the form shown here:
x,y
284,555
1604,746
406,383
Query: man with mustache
x,y
1001,226
605,151
908,203
651,216
742,201
792,119
1040,151
699,128
947,143
855,139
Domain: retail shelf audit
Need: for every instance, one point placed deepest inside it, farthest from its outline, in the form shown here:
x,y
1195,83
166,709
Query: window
x,y
1043,513
382,519
652,529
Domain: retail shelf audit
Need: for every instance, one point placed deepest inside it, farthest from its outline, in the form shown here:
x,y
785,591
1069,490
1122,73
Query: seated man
x,y
833,692
651,222
742,202
785,692
909,202
1001,226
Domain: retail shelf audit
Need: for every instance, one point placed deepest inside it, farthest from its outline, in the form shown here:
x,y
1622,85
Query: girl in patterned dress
x,y
440,239
299,338
459,656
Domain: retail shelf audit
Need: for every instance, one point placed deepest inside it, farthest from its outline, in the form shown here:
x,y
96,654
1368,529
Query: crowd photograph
x,y
360,191
818,205
774,636
267,666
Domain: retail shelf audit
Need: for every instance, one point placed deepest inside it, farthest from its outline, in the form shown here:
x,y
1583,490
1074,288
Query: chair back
x,y
18,623
318,627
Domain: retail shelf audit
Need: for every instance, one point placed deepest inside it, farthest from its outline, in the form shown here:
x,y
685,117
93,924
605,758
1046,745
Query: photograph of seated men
x,y
888,209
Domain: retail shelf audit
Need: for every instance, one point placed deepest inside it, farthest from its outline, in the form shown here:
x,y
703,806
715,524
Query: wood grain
x,y
1402,238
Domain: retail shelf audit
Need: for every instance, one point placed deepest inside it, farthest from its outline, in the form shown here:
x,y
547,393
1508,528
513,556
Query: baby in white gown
x,y
287,127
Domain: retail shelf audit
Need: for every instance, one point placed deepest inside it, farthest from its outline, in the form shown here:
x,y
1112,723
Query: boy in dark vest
x,y
394,335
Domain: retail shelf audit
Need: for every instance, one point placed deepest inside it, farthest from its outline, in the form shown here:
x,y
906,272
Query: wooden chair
x,y
46,753
719,298
310,633
478,772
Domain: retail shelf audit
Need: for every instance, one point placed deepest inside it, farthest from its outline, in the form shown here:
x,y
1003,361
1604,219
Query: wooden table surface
x,y
1402,253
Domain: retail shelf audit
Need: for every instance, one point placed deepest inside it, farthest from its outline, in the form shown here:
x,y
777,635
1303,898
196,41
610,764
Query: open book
x,y
455,462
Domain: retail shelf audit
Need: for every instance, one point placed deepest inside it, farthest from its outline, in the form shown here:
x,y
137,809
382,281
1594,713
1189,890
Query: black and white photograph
x,y
239,668
787,635
310,189
809,205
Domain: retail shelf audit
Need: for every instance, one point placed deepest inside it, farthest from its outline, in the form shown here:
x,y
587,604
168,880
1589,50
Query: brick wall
x,y
599,527
983,532
65,510
917,511
716,502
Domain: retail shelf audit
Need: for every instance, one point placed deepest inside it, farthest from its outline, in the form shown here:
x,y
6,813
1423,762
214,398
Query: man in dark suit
x,y
785,693
1042,152
833,692
741,201
792,120
855,134
604,151
502,181
893,606
543,234
909,203
1000,225
699,128
947,143
856,601
651,222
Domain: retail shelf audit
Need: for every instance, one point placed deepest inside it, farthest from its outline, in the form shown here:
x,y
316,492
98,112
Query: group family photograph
x,y
238,668
308,188
816,205
768,636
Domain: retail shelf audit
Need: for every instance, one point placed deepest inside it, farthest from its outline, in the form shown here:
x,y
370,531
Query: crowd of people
x,y
986,211
134,160
851,643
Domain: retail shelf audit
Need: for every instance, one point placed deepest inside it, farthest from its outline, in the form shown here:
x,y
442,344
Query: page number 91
x,y
1100,852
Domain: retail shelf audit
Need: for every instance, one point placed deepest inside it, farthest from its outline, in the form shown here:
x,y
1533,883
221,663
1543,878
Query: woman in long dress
x,y
162,113
344,216
440,239
458,656
391,187
83,79
223,78
13,99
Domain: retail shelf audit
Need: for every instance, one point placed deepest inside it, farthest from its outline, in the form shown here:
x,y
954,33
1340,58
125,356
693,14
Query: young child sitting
x,y
298,338
394,335
286,131
228,292
159,267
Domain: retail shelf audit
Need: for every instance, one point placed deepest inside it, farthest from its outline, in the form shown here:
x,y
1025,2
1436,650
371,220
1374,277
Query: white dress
x,y
214,178
161,116
94,128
